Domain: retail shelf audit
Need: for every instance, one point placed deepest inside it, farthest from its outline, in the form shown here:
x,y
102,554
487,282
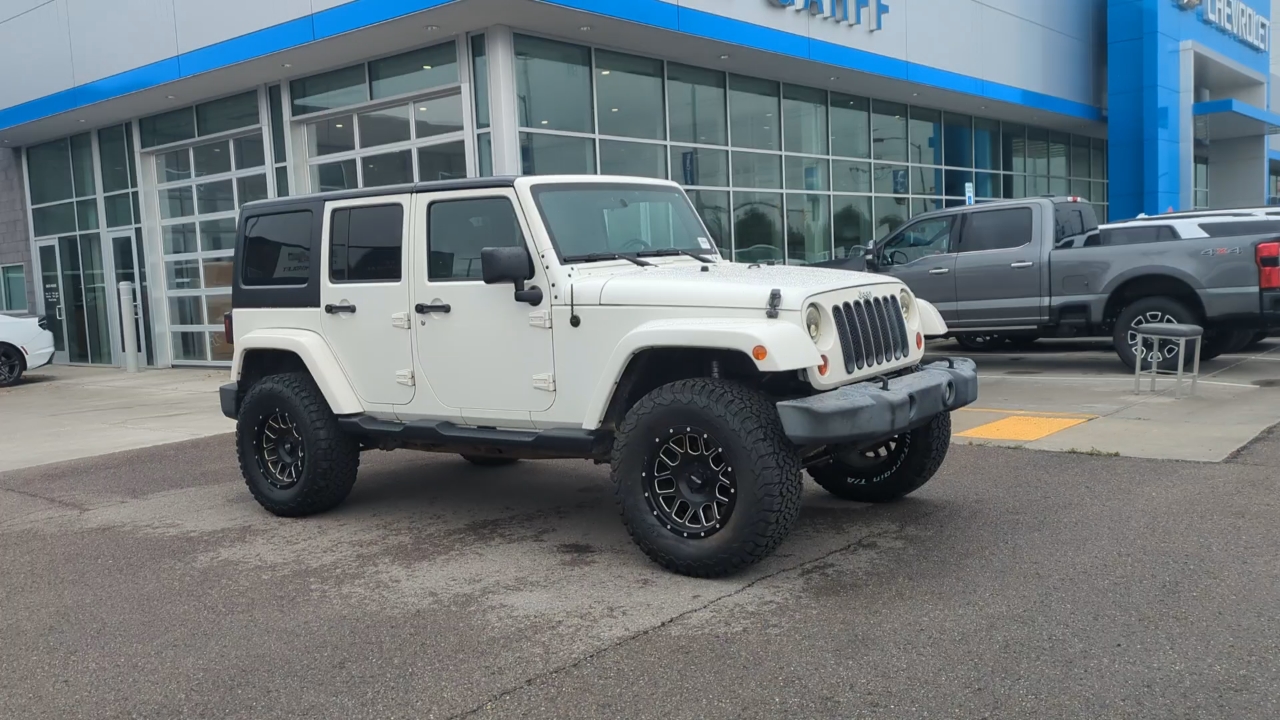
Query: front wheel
x,y
294,457
707,481
891,471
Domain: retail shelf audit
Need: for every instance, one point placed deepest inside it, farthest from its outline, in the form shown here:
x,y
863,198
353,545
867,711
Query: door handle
x,y
939,271
335,309
1021,265
423,308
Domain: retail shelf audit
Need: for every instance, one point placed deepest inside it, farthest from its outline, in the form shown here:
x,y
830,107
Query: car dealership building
x,y
134,129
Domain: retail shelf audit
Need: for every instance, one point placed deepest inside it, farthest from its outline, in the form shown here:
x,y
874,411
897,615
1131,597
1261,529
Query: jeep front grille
x,y
872,332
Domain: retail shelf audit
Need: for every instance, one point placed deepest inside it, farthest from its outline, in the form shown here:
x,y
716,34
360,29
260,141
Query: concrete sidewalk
x,y
61,413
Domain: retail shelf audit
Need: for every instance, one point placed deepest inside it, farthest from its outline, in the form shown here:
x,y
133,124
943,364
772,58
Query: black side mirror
x,y
510,265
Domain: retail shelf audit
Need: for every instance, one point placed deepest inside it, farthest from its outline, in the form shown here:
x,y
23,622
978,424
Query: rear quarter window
x,y
1072,221
277,249
1230,229
1139,235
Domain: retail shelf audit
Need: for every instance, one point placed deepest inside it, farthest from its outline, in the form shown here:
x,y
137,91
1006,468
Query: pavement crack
x,y
544,676
55,501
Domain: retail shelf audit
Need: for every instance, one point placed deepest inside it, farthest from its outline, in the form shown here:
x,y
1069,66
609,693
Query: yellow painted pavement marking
x,y
1022,428
1033,413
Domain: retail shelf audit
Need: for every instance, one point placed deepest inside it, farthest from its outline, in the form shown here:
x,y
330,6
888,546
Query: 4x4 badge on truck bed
x,y
1220,251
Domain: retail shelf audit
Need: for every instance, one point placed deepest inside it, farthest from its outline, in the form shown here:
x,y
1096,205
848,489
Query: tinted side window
x,y
1228,229
931,236
1138,235
1071,219
277,249
997,230
457,230
365,244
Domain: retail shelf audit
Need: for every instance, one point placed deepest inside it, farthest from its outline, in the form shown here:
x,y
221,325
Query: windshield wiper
x,y
668,252
597,256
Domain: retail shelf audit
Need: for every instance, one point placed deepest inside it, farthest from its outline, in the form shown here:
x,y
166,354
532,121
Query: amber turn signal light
x,y
919,341
825,367
759,352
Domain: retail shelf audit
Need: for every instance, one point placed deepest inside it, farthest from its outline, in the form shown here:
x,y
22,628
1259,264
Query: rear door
x,y
364,296
922,255
998,269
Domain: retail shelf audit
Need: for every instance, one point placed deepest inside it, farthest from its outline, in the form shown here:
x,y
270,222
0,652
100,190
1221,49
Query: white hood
x,y
720,285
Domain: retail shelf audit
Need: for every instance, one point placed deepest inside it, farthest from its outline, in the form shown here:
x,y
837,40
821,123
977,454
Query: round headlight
x,y
908,303
813,321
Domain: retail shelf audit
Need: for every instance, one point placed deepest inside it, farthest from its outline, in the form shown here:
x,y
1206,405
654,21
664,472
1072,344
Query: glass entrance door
x,y
74,285
131,265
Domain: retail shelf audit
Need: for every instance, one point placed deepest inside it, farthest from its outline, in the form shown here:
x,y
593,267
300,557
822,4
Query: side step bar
x,y
447,436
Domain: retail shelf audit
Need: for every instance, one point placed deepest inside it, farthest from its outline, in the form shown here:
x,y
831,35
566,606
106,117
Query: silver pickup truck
x,y
1043,267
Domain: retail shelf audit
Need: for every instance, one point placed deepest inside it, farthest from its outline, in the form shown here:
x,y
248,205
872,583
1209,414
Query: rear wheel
x,y
294,457
1257,339
1224,342
707,482
890,471
11,365
1148,311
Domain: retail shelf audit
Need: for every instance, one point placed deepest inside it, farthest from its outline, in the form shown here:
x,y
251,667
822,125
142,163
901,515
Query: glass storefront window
x,y
757,227
696,99
757,170
169,127
890,179
925,137
211,159
1098,160
851,221
850,126
850,176
82,164
889,131
438,116
329,177
1058,153
805,173
808,228
331,136
414,71
1037,152
699,166
713,208
386,126
926,180
557,154
329,91
891,213
480,80
629,97
1014,142
388,169
227,114
804,114
986,144
753,113
446,161
553,85
1079,157
629,158
957,140
49,172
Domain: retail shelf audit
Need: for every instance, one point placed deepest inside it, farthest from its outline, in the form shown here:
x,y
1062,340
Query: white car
x,y
25,344
577,317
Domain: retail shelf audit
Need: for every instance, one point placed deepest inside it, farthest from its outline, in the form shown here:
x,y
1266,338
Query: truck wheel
x,y
1224,342
1256,339
489,460
294,458
892,471
706,480
978,342
1143,312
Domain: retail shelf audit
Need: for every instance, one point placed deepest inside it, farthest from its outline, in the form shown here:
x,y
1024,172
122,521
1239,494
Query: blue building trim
x,y
359,14
1229,105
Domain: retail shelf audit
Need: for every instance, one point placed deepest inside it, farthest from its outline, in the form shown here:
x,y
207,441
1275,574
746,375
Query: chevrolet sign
x,y
1234,18
849,12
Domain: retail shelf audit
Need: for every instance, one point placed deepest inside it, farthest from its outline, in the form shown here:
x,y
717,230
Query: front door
x,y
77,298
131,265
922,256
485,355
365,297
998,270
51,296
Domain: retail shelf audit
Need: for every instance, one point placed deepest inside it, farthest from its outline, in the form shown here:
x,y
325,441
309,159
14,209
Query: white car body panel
x,y
25,333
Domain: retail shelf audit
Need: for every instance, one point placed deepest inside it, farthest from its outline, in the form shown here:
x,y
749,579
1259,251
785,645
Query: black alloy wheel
x,y
10,365
689,483
281,452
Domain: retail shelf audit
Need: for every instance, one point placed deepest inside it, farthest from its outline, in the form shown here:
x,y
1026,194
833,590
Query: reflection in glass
x,y
49,172
804,111
183,274
249,152
553,85
757,227
416,70
920,206
219,349
212,159
713,208
176,203
388,169
986,144
699,166
334,176
333,135
808,228
278,153
227,114
119,209
249,189
889,131
851,219
1015,187
889,179
805,173
189,346
1079,156
179,239
954,183
926,136
957,137
87,214
82,164
217,306
850,126
480,80
753,113
890,214
639,159
215,197
557,155
54,219
484,154
174,166
1098,161
96,297
1037,152
850,176
1058,143
697,105
186,310
1014,147
987,185
438,116
926,180
169,127
757,170
217,234
217,272
329,91
442,162
385,126
629,96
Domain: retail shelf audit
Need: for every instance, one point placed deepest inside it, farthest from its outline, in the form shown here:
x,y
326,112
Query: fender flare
x,y
931,322
788,345
315,354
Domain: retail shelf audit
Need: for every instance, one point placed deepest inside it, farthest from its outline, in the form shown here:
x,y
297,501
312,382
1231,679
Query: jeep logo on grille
x,y
864,294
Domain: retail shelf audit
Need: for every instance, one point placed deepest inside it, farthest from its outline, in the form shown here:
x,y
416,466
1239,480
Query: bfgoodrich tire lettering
x,y
751,445
911,462
323,477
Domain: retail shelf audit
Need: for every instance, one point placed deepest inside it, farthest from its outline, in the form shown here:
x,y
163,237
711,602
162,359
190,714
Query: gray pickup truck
x,y
1043,267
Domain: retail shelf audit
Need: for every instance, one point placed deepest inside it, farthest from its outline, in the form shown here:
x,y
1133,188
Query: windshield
x,y
597,219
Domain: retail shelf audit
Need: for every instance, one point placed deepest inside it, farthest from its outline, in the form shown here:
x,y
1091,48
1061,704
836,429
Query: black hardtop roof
x,y
475,183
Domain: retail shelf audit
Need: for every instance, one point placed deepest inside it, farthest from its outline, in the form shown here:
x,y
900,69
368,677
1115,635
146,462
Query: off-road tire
x,y
489,460
980,342
765,466
1150,307
1256,340
332,456
906,469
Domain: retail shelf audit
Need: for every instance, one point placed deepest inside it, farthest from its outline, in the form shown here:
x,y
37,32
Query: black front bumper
x,y
229,396
878,410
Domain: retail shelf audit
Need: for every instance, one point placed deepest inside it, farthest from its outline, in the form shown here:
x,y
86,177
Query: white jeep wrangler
x,y
577,317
